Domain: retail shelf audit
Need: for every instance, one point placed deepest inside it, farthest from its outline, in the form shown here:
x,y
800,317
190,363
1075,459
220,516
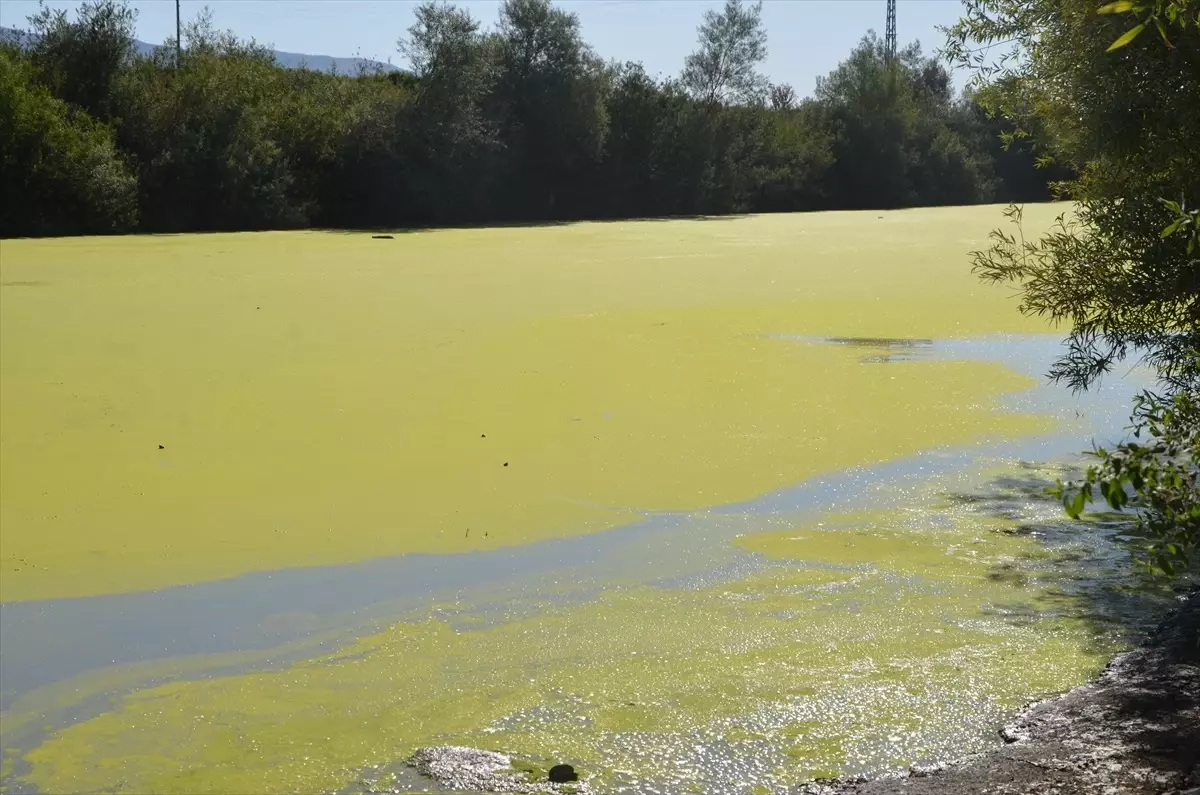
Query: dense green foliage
x,y
61,172
520,123
1123,273
1156,473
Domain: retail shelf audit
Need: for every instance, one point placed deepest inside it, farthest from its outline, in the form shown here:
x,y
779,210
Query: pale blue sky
x,y
807,37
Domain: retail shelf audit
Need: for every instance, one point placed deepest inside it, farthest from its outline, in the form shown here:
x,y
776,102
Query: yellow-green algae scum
x,y
327,398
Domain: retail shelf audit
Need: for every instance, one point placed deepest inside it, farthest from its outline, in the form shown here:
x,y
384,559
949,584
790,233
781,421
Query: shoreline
x,y
1132,730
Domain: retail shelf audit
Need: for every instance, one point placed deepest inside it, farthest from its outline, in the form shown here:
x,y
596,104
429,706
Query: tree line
x,y
523,122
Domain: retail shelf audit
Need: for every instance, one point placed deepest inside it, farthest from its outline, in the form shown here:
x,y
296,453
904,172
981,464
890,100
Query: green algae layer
x,y
183,409
187,408
873,640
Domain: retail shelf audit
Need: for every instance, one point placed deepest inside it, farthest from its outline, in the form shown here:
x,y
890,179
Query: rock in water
x,y
474,770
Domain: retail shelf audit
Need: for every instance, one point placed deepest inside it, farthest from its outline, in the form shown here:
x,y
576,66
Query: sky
x,y
807,38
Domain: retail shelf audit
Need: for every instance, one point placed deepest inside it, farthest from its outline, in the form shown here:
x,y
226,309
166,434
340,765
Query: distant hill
x,y
288,60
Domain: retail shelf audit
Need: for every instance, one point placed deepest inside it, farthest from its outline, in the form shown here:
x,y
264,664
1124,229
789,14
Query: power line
x,y
992,44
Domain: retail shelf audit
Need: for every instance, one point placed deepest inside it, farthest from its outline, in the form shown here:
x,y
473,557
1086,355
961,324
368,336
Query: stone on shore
x,y
475,770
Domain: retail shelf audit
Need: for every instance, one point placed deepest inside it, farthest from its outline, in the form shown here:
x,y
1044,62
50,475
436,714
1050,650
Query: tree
x,y
1127,122
449,137
869,113
732,45
894,142
206,136
367,178
1122,271
1159,467
549,94
59,171
79,61
796,162
633,165
1010,158
783,97
518,122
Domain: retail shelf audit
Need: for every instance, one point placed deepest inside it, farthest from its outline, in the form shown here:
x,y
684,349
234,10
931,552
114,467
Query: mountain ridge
x,y
288,60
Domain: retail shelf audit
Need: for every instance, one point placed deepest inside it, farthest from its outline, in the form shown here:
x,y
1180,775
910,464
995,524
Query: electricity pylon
x,y
889,38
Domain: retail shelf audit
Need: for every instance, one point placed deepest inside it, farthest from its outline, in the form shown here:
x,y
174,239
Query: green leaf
x,y
1119,7
1116,496
1172,228
1127,37
1076,506
1162,31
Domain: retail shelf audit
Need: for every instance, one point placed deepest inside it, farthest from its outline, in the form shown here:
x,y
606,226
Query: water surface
x,y
717,507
